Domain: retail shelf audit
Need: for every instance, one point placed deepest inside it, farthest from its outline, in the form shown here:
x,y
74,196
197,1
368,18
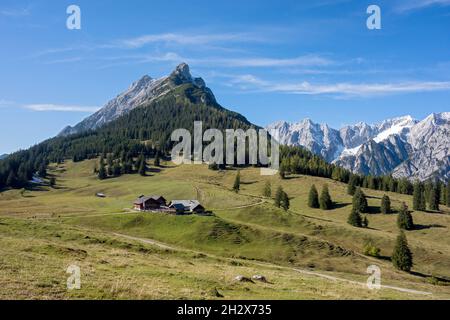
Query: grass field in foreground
x,y
42,231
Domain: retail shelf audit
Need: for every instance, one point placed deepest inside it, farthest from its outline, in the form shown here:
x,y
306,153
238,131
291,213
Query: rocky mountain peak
x,y
400,146
144,91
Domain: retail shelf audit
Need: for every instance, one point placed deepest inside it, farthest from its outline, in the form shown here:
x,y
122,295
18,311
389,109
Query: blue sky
x,y
269,60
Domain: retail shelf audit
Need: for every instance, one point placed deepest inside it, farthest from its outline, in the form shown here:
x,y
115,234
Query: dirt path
x,y
266,264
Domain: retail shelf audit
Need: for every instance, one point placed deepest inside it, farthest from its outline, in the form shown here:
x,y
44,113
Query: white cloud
x,y
60,107
302,61
15,12
340,89
188,39
409,5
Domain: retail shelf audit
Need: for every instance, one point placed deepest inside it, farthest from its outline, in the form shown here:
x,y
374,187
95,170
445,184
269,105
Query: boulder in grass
x,y
259,277
243,279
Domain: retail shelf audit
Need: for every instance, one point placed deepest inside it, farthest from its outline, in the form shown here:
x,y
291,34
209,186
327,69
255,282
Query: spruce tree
x,y
285,201
404,218
354,218
267,192
418,197
142,166
433,201
278,196
42,172
447,194
325,201
102,171
117,169
237,182
11,181
360,201
313,198
402,256
351,188
385,204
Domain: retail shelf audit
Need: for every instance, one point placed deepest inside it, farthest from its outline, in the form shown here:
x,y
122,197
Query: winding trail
x,y
267,264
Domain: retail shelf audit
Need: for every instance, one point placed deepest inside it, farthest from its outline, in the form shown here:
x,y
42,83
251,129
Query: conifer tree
x,y
278,196
351,188
404,218
402,256
447,194
267,192
313,198
117,169
433,201
237,182
419,203
142,166
354,218
102,171
285,201
11,181
42,170
325,201
385,204
360,201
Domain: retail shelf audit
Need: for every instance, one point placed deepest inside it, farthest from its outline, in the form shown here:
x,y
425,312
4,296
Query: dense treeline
x,y
145,130
297,160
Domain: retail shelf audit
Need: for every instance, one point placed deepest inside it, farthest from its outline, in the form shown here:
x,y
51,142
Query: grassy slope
x,y
245,226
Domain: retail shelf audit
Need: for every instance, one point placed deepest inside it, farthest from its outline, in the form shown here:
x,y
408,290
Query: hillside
x,y
144,128
247,235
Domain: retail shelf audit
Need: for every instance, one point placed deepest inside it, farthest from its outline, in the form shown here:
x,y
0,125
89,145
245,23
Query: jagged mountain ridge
x,y
403,146
143,91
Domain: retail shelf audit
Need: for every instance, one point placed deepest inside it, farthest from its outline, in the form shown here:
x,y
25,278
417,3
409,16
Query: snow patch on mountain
x,y
400,146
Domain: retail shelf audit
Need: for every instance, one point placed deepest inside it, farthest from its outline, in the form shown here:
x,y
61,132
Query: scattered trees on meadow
x,y
402,256
142,165
360,201
281,199
352,184
354,218
313,198
433,197
325,201
102,170
385,204
285,204
447,197
267,191
404,218
419,203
